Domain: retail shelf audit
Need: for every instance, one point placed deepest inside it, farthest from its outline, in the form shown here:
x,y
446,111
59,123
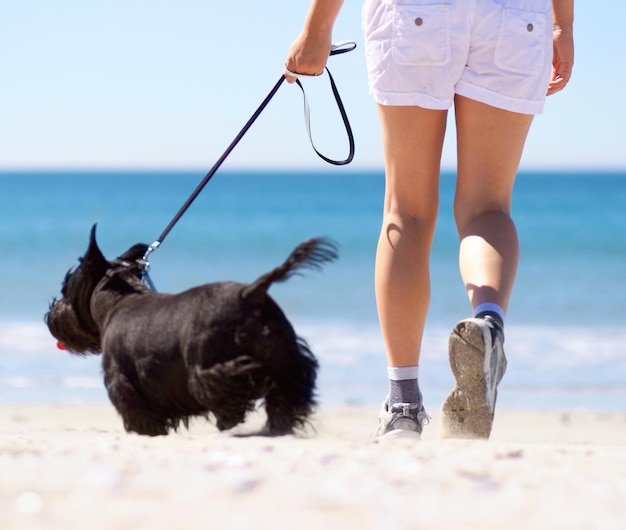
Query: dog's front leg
x,y
130,404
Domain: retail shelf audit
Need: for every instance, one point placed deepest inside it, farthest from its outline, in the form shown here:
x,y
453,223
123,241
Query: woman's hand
x,y
563,59
309,52
307,56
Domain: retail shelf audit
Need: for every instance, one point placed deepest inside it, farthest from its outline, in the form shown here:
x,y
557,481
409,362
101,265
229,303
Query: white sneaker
x,y
478,363
401,420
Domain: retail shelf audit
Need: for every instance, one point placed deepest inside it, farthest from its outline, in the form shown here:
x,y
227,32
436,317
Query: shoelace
x,y
405,409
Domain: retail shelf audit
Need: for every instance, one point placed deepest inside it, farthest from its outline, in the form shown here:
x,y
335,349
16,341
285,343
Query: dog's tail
x,y
310,254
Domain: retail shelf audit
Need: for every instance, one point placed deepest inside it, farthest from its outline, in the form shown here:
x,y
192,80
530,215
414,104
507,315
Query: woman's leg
x,y
412,141
490,142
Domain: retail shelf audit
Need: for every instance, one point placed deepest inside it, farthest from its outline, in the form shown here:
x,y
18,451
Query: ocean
x,y
566,328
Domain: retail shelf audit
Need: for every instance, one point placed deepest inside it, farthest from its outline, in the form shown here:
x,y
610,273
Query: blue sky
x,y
155,84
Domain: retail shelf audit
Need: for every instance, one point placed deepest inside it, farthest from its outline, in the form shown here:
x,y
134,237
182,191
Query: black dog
x,y
214,349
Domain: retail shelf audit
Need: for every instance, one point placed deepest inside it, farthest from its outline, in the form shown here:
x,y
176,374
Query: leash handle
x,y
335,49
344,117
344,46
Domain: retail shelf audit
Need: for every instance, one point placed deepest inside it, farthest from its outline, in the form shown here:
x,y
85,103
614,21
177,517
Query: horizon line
x,y
281,169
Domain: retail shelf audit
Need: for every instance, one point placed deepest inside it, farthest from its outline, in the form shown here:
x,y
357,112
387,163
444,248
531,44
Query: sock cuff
x,y
488,306
402,373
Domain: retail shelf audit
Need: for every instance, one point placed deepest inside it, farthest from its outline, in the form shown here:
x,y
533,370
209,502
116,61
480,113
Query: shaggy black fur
x,y
212,350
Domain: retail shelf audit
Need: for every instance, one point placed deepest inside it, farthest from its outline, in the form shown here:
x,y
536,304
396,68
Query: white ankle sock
x,y
401,373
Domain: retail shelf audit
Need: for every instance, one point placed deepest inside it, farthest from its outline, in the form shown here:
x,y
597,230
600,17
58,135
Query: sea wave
x,y
346,343
544,362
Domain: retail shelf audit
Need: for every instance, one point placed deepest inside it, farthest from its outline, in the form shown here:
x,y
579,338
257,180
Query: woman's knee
x,y
400,226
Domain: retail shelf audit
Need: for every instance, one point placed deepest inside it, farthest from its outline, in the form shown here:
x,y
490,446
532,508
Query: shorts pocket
x,y
421,34
521,45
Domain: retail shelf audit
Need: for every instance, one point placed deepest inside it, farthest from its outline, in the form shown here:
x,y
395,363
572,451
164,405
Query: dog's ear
x,y
93,258
135,252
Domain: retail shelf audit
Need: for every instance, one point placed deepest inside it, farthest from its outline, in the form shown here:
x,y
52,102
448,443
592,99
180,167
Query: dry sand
x,y
66,467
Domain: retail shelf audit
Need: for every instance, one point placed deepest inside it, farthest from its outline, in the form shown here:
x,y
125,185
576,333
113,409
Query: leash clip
x,y
145,264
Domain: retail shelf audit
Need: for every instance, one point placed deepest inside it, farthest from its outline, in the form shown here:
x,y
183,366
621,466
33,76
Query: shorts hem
x,y
410,99
500,101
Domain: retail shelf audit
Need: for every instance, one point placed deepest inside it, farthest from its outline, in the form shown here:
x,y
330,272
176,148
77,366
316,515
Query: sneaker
x,y
401,420
478,364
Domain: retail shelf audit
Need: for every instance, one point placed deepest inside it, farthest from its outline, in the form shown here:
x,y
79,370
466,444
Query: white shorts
x,y
423,52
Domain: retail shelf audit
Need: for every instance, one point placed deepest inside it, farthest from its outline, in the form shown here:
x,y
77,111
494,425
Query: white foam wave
x,y
544,362
563,347
345,342
25,382
544,347
25,337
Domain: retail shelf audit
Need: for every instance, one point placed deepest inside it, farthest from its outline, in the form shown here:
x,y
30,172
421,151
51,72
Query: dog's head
x,y
70,319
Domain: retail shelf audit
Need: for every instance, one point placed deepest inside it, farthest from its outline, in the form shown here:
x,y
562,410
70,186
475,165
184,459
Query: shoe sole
x,y
468,410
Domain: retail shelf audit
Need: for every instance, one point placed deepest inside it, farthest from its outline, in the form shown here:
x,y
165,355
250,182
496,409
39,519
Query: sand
x,y
73,466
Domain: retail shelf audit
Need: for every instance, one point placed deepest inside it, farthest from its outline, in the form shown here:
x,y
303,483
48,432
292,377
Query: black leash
x,y
344,117
336,49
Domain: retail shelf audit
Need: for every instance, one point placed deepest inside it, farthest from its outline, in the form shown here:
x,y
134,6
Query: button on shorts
x,y
423,52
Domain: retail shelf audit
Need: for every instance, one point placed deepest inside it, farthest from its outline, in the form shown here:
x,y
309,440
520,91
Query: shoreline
x,y
73,466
